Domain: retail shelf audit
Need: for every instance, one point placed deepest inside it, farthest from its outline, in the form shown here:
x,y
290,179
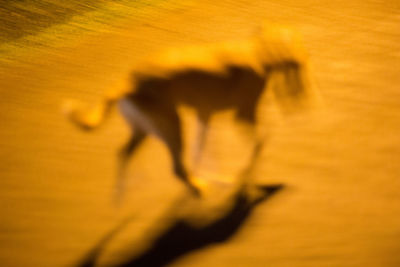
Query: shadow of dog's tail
x,y
87,118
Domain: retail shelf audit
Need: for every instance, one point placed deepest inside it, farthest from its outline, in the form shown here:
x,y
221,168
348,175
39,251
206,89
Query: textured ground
x,y
341,206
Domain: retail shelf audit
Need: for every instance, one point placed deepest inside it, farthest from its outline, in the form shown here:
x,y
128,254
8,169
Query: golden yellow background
x,y
341,206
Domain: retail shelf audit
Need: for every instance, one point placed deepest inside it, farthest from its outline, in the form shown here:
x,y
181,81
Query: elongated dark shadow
x,y
92,256
181,238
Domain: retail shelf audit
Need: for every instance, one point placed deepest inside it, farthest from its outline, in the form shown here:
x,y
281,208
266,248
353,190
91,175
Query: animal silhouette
x,y
207,78
181,237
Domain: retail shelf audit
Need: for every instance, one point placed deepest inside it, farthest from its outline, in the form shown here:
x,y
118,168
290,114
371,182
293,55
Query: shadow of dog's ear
x,y
261,193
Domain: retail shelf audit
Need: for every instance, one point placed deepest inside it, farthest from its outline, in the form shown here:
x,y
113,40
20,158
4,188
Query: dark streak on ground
x,y
182,238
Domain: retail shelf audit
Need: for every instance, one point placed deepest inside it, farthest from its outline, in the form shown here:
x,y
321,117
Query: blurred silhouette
x,y
207,78
191,223
180,236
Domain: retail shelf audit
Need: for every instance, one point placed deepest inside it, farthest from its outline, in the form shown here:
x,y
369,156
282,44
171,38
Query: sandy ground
x,y
341,206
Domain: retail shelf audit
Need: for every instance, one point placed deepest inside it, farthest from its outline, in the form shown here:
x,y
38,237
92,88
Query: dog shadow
x,y
181,238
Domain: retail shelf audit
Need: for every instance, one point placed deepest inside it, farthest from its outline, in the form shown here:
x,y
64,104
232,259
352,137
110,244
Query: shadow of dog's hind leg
x,y
124,155
162,120
172,137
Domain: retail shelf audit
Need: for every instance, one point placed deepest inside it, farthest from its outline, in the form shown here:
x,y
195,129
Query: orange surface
x,y
340,207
